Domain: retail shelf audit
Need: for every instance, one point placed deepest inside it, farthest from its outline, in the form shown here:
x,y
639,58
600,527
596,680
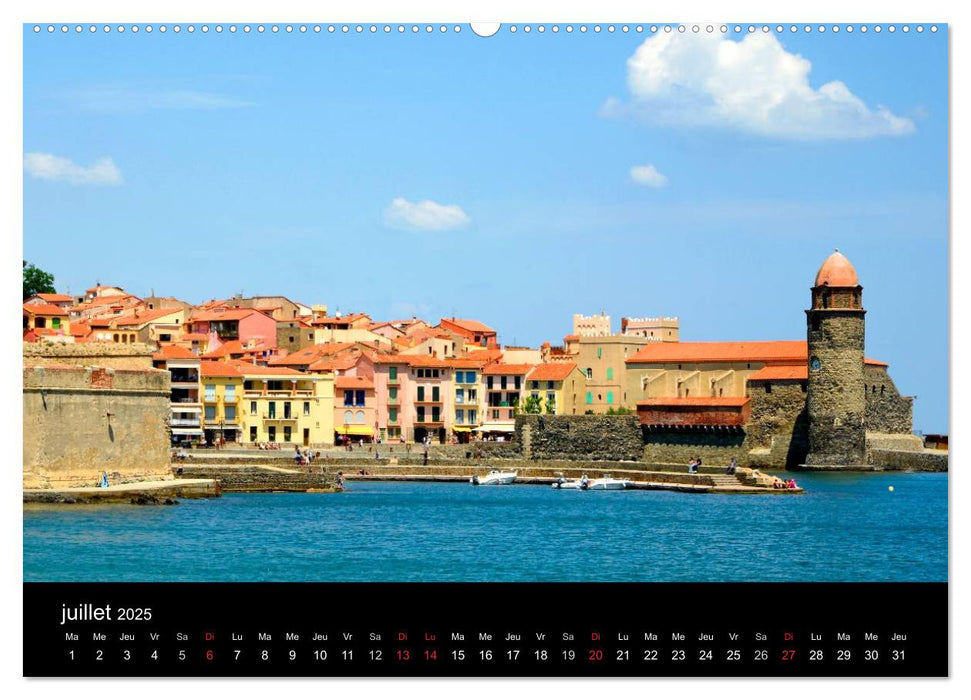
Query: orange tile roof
x,y
353,383
55,297
572,336
45,310
145,316
249,369
467,363
468,324
210,368
552,371
339,362
310,354
489,354
876,363
501,368
235,347
228,315
781,372
715,401
792,351
174,352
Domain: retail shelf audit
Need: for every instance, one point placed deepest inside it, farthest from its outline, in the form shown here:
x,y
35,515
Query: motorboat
x,y
494,478
580,484
607,483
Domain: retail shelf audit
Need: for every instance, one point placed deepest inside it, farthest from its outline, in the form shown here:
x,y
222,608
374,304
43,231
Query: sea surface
x,y
847,527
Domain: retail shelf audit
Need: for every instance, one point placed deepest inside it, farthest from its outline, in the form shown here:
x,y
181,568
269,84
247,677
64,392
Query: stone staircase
x,y
724,480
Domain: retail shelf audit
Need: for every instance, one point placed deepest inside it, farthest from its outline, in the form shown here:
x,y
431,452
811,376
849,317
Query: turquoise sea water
x,y
848,527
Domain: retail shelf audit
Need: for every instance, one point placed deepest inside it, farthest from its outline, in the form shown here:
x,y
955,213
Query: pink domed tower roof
x,y
837,271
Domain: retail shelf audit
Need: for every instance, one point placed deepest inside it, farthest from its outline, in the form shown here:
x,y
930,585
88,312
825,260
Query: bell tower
x,y
836,393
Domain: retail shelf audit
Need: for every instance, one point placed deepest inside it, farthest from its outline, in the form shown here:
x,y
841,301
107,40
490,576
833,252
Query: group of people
x,y
694,464
268,446
782,484
305,457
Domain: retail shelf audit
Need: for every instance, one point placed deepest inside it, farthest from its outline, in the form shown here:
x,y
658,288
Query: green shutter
x,y
610,397
610,373
589,397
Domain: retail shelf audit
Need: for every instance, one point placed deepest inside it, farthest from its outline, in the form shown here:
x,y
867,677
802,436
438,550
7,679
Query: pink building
x,y
248,326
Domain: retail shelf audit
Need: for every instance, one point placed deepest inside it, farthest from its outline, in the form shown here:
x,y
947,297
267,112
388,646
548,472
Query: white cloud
x,y
425,215
648,176
108,100
753,85
45,166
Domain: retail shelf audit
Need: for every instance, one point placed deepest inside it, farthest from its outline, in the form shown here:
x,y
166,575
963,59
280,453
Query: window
x,y
549,385
210,392
435,394
459,377
599,352
252,408
534,385
392,415
291,338
489,382
272,409
534,394
271,433
230,395
252,433
815,323
393,373
470,377
589,373
393,393
589,397
551,399
495,414
435,414
306,408
348,417
519,382
610,397
473,395
287,410
230,412
421,393
460,416
472,416
421,414
55,323
768,387
610,373
460,396
348,397
286,433
502,382
360,417
210,413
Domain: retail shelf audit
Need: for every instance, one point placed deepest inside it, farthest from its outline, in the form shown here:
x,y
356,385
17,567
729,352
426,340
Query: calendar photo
x,y
526,316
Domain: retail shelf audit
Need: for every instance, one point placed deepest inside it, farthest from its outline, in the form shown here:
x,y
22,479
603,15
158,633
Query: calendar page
x,y
397,349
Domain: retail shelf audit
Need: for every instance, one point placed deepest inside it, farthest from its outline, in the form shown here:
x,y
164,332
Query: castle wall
x,y
714,447
777,433
886,410
69,438
591,437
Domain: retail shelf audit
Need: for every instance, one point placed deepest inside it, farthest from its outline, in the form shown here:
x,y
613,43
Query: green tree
x,y
36,281
620,411
532,404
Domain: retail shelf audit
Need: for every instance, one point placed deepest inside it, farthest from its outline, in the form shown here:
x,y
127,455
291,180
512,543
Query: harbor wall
x,y
585,437
907,460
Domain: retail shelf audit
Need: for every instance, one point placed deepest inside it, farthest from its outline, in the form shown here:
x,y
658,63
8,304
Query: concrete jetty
x,y
161,492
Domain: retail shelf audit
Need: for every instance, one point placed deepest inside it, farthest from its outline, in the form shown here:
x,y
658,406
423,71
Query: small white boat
x,y
607,483
580,484
494,478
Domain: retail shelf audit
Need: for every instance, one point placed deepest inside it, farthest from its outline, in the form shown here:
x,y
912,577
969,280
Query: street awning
x,y
496,428
462,429
186,431
355,430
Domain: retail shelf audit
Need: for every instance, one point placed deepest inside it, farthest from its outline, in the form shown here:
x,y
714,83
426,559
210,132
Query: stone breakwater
x,y
261,477
142,493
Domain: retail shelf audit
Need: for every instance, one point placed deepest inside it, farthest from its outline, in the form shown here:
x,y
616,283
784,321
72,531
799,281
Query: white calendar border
x,y
518,11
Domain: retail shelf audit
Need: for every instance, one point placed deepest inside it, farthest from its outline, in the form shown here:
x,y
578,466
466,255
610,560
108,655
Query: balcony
x,y
185,422
267,416
430,422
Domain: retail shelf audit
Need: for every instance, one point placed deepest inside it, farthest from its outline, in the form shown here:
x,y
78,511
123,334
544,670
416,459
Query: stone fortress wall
x,y
91,409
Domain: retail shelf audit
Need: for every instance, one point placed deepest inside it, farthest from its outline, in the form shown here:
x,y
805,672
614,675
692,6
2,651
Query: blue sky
x,y
492,178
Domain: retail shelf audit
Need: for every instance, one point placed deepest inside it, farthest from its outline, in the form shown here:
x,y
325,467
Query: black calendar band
x,y
486,629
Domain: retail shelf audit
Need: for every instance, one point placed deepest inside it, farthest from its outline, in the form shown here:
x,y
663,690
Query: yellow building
x,y
282,405
222,392
559,386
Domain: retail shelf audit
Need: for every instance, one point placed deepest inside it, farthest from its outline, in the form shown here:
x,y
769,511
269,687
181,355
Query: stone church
x,y
819,403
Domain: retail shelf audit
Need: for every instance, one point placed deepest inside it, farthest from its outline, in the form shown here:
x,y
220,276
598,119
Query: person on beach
x,y
732,466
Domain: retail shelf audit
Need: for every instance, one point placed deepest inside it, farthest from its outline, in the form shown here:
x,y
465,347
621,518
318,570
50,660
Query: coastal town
x,y
268,373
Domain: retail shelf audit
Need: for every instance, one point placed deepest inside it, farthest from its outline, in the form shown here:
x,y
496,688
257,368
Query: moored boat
x,y
494,478
608,483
